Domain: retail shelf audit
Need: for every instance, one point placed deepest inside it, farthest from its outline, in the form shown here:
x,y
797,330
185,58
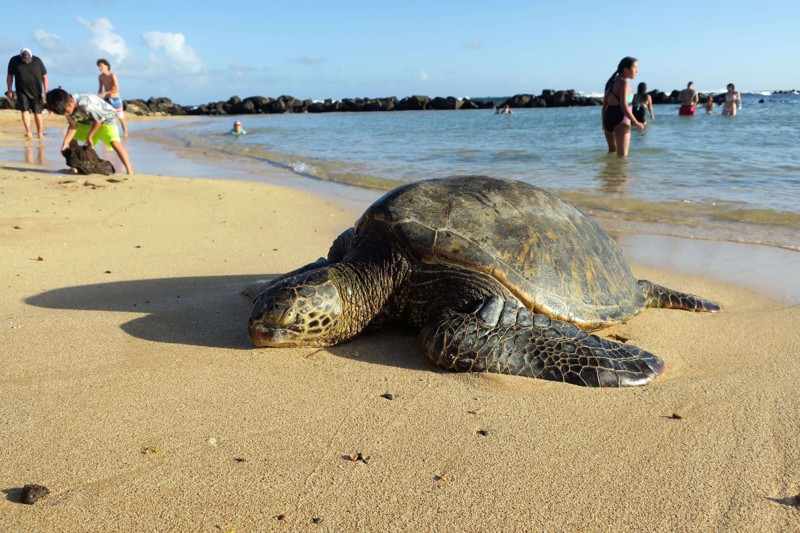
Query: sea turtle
x,y
499,275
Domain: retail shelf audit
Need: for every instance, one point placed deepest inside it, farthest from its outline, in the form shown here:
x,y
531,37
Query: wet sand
x,y
130,390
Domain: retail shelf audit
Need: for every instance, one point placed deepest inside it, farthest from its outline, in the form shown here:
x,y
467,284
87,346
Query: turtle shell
x,y
551,255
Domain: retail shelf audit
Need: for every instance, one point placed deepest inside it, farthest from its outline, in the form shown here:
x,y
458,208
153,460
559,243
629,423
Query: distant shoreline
x,y
263,105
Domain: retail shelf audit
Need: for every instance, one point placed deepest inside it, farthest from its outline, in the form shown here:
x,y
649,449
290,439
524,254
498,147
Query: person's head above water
x,y
237,128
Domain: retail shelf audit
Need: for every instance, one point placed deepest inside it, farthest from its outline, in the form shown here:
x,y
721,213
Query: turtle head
x,y
303,310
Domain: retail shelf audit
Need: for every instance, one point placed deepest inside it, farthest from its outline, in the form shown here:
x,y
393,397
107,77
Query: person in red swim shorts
x,y
689,99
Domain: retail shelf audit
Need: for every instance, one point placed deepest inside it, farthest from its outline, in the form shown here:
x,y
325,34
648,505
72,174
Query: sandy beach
x,y
130,389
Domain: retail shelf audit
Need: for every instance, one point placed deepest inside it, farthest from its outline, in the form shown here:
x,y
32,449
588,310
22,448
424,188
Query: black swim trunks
x,y
26,103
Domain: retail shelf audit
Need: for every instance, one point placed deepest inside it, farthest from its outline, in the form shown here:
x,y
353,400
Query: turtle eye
x,y
276,314
283,316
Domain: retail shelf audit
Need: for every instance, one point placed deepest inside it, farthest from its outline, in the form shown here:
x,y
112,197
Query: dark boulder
x,y
85,160
659,97
413,103
277,106
318,107
243,107
291,104
449,103
259,103
373,104
519,100
161,105
351,105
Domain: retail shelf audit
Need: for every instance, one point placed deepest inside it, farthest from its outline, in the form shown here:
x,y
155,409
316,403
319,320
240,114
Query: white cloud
x,y
181,56
422,75
48,42
106,41
55,53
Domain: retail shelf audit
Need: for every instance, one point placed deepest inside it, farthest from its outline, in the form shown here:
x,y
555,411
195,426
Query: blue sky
x,y
201,51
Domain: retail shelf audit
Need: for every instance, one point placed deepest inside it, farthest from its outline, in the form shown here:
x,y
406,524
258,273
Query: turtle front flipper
x,y
504,337
658,296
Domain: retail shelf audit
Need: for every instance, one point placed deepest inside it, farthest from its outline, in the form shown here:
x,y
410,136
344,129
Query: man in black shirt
x,y
30,77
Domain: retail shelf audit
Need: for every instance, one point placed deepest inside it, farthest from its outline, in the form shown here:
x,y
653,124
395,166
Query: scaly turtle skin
x,y
499,276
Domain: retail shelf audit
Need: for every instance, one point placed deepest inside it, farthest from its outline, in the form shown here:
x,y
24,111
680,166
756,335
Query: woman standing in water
x,y
617,109
732,98
642,103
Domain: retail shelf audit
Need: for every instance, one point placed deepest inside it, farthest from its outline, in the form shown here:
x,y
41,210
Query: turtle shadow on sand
x,y
197,311
192,310
393,345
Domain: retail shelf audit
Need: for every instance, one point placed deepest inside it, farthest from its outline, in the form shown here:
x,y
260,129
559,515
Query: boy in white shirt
x,y
91,119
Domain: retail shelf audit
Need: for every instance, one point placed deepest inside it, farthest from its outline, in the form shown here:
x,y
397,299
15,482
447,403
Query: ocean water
x,y
710,177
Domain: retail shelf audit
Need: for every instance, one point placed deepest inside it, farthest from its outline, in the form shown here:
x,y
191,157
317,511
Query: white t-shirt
x,y
91,108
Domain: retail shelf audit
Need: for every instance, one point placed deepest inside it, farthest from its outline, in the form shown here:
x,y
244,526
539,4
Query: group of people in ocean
x,y
690,99
97,117
91,117
622,109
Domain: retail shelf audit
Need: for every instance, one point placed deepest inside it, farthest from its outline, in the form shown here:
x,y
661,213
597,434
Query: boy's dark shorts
x,y
25,103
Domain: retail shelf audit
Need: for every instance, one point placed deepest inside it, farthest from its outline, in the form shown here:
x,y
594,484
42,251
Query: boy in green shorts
x,y
91,119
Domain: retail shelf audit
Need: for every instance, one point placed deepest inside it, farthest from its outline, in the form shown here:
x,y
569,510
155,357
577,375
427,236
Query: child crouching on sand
x,y
90,119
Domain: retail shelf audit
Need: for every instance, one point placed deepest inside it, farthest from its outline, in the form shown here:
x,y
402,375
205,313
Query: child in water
x,y
237,129
710,105
108,90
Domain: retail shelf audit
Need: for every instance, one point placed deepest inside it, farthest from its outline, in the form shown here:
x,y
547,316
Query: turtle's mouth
x,y
263,336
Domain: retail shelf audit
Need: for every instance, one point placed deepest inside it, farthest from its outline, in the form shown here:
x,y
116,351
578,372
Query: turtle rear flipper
x,y
658,296
503,337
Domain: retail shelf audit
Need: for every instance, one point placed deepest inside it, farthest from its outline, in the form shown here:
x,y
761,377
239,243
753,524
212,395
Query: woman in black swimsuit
x,y
617,112
642,103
